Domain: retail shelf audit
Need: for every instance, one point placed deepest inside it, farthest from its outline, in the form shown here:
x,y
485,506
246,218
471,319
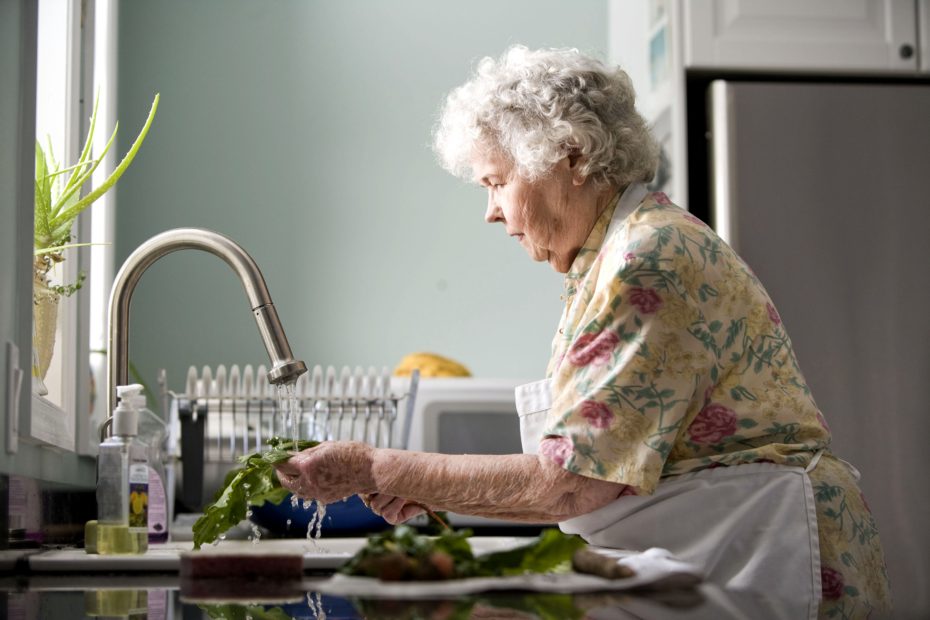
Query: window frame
x,y
67,424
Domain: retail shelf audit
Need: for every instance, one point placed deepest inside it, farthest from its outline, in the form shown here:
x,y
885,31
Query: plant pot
x,y
45,324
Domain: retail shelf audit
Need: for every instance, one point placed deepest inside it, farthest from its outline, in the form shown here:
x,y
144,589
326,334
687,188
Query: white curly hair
x,y
538,106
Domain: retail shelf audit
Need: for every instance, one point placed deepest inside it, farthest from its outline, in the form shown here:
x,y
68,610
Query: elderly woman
x,y
674,413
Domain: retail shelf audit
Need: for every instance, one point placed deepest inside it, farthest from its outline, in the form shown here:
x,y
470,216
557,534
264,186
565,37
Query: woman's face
x,y
551,217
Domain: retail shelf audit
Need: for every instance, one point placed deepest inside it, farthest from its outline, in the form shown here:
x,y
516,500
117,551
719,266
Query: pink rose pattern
x,y
597,414
646,300
598,392
823,421
713,424
593,348
661,198
831,582
694,219
773,314
559,449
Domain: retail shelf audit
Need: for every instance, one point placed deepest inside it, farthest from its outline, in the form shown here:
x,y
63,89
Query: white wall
x,y
302,129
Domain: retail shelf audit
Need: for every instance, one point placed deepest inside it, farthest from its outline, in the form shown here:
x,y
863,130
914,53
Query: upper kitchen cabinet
x,y
671,47
807,35
923,26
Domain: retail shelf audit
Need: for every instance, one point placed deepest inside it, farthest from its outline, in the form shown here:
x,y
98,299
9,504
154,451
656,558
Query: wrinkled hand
x,y
393,509
329,471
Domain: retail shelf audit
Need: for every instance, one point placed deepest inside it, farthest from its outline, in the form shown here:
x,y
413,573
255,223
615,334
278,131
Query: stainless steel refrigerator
x,y
824,189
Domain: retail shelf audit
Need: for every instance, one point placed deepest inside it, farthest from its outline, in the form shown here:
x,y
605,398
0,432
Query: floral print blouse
x,y
671,358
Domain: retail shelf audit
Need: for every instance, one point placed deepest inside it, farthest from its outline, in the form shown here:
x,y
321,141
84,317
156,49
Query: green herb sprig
x,y
253,484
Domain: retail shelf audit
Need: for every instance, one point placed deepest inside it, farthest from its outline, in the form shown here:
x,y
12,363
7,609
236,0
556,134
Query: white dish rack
x,y
227,413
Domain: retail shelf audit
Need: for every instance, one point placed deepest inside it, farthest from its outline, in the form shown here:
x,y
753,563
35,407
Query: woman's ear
x,y
575,165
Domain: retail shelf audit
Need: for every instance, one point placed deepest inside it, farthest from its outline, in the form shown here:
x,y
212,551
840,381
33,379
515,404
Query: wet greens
x,y
400,554
252,484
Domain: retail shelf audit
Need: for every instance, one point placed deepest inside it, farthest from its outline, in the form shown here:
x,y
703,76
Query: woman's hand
x,y
329,471
393,509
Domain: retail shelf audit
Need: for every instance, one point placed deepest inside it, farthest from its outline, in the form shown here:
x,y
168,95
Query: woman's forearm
x,y
518,487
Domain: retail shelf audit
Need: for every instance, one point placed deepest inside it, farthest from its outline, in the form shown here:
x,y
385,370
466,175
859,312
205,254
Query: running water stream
x,y
290,408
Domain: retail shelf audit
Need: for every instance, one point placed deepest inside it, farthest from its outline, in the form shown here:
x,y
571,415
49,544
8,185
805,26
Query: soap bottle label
x,y
158,508
139,496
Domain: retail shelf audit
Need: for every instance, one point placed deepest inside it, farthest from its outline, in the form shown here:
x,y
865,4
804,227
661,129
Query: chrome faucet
x,y
284,368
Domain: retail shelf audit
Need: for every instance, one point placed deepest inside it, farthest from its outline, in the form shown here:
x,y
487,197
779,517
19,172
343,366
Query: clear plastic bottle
x,y
122,483
153,433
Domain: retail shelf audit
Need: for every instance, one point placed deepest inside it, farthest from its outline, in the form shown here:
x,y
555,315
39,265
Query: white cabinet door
x,y
853,35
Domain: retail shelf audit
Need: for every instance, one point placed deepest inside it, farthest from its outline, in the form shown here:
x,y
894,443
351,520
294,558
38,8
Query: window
x,y
69,77
57,129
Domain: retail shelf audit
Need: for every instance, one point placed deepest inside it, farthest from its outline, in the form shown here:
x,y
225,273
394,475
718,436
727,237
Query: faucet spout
x,y
284,368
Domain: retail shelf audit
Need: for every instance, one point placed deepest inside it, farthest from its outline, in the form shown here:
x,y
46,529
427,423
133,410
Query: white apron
x,y
749,527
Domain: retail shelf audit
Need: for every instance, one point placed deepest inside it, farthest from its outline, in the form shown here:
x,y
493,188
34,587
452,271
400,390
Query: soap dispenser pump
x,y
122,481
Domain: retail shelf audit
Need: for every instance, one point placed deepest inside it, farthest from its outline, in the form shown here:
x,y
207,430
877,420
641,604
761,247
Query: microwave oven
x,y
465,415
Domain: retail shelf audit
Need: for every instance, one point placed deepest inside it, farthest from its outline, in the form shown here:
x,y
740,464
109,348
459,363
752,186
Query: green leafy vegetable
x,y
400,554
232,611
552,552
544,606
253,484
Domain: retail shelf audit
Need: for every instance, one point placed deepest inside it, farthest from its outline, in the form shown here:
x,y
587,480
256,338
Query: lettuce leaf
x,y
253,484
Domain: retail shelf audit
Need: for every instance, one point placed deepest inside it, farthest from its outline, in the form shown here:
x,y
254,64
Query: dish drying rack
x,y
224,414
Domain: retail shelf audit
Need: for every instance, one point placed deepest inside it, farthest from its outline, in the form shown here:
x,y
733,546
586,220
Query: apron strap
x,y
814,461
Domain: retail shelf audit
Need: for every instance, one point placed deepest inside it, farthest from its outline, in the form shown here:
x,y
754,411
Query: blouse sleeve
x,y
634,369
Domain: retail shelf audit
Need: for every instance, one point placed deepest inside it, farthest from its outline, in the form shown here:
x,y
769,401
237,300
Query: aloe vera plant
x,y
58,200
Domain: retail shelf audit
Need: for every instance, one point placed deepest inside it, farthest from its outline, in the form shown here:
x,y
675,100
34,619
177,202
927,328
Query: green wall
x,y
302,130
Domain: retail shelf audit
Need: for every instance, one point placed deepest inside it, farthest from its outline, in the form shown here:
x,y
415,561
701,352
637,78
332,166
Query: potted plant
x,y
58,203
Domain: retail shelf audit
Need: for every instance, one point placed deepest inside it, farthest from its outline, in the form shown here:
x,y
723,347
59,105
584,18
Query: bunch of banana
x,y
430,365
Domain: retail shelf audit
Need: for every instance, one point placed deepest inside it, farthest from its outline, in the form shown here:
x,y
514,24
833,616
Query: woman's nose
x,y
493,212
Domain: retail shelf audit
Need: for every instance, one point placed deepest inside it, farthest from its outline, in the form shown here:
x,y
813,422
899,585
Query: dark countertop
x,y
163,597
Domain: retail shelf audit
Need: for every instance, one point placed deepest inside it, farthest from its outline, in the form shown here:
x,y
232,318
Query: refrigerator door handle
x,y
723,162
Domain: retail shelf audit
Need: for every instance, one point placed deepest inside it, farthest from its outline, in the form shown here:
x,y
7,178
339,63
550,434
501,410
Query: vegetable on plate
x,y
401,554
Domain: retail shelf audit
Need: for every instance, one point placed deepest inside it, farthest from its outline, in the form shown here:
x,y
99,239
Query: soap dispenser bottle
x,y
122,482
153,434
